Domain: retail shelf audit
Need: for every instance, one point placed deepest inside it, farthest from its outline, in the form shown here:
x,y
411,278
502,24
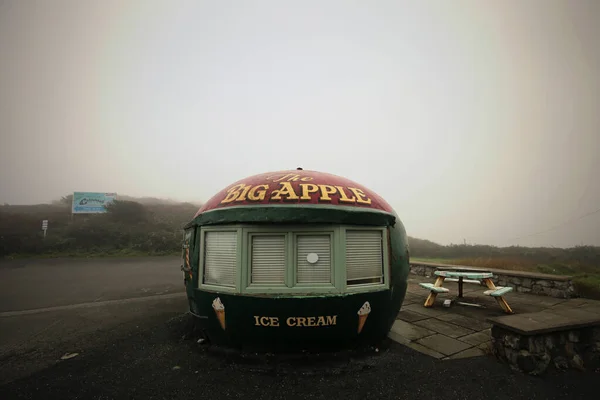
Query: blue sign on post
x,y
91,203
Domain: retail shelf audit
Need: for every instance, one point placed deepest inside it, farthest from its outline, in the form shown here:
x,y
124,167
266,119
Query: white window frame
x,y
369,286
338,260
251,237
332,260
201,269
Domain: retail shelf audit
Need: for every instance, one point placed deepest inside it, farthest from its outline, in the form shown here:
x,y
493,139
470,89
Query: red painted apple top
x,y
296,187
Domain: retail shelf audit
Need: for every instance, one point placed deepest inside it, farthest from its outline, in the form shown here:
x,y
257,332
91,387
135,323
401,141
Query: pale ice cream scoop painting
x,y
363,314
219,311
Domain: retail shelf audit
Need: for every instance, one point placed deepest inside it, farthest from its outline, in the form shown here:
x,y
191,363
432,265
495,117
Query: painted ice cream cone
x,y
219,311
363,314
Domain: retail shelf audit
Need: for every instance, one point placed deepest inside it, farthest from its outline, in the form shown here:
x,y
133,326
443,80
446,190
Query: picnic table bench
x,y
484,278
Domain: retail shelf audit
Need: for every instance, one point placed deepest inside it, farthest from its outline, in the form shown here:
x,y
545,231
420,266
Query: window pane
x,y
311,268
220,258
364,257
268,259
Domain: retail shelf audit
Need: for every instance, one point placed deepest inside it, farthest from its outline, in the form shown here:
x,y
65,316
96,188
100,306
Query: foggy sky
x,y
475,120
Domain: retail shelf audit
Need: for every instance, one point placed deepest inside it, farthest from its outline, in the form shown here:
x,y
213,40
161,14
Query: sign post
x,y
44,227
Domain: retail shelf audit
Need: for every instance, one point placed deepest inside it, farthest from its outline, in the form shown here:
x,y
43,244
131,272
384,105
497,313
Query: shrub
x,y
127,227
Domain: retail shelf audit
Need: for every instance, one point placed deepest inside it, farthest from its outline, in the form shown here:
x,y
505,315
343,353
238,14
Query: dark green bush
x,y
127,227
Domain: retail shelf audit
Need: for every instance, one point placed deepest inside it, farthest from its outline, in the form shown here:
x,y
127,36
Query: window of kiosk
x,y
219,257
289,260
256,259
364,257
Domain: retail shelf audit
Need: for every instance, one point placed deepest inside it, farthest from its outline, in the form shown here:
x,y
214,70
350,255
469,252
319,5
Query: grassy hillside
x,y
132,226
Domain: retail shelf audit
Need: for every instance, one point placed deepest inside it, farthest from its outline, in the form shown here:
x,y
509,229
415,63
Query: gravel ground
x,y
160,362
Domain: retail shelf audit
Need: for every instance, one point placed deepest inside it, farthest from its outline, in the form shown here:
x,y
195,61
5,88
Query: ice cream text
x,y
328,320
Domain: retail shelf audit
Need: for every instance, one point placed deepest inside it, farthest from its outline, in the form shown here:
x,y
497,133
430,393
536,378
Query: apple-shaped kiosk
x,y
295,260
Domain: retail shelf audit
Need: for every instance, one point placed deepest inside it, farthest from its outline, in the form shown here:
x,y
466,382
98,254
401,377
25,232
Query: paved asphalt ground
x,y
127,321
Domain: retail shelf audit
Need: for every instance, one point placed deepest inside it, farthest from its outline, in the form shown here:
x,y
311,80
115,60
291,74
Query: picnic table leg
x,y
432,295
460,287
501,301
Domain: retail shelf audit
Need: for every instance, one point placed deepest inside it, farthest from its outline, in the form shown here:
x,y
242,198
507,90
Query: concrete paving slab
x,y
486,347
539,301
562,306
513,297
413,298
443,344
523,308
408,303
425,350
472,352
410,331
410,316
477,338
430,312
414,288
591,307
577,302
466,322
397,338
476,298
573,312
545,321
445,328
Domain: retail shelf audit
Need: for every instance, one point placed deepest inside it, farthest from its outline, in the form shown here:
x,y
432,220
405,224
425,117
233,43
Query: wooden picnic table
x,y
476,277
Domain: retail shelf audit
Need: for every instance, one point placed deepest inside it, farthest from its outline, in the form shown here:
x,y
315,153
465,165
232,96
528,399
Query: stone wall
x,y
536,354
561,289
523,282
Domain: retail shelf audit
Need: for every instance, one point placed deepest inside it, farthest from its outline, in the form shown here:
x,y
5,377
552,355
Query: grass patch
x,y
557,269
586,280
506,263
587,286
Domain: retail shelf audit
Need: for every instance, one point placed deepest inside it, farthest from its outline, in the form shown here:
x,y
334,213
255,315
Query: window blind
x,y
268,259
320,271
364,257
220,258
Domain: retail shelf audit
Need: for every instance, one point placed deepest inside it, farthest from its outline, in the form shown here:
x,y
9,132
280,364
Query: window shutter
x,y
268,259
364,257
220,258
319,272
